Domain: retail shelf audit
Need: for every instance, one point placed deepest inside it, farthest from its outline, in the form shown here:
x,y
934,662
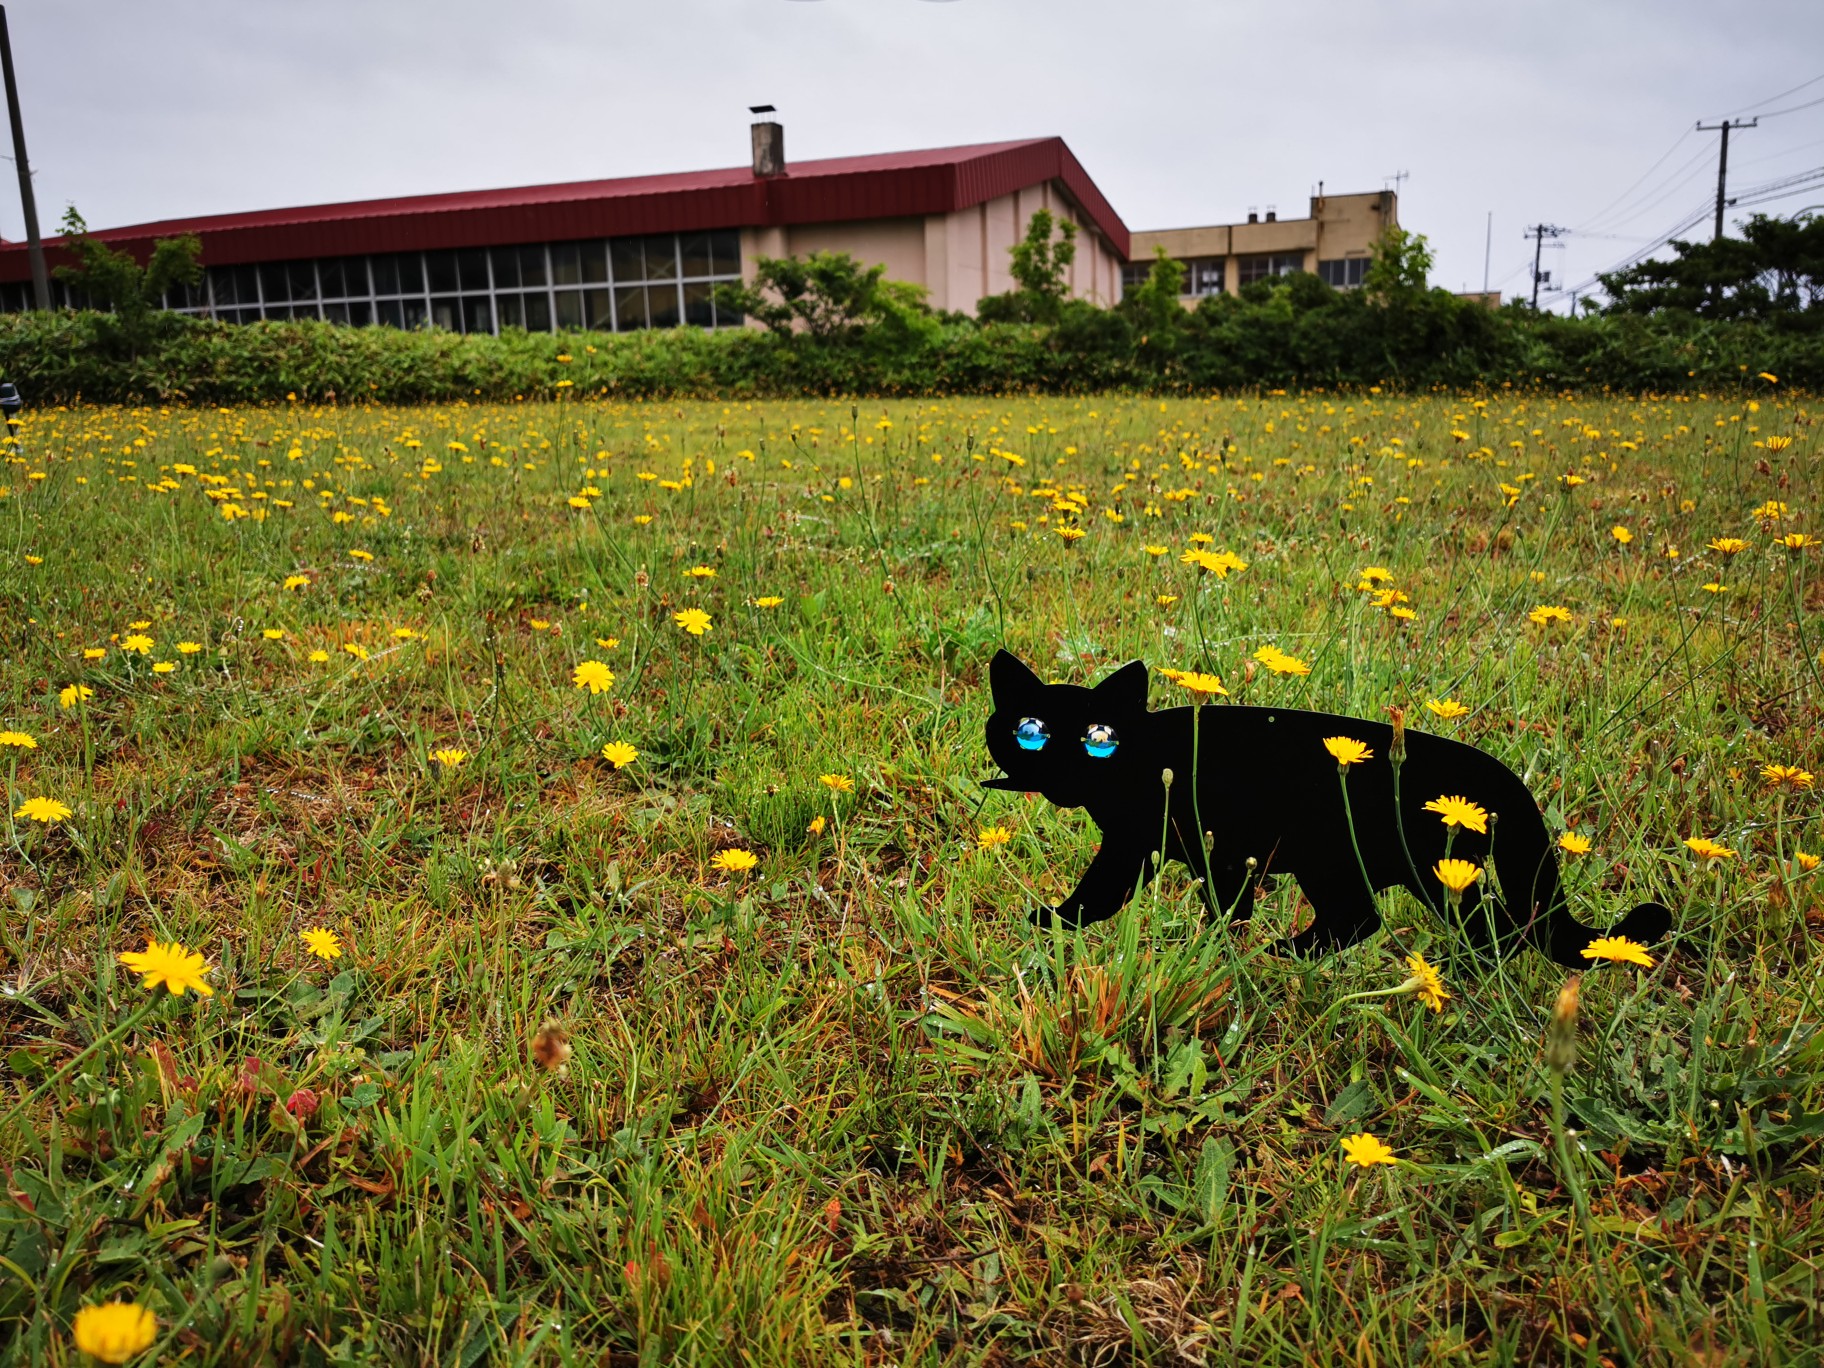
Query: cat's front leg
x,y
1117,870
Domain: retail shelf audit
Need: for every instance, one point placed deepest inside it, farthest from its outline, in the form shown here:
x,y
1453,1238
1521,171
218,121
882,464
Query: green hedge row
x,y
1300,335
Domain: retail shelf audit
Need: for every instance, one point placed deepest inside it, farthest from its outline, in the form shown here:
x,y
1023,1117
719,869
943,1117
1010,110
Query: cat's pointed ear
x,y
1009,677
1126,687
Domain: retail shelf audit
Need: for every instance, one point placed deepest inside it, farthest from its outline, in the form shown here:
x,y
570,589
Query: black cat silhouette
x,y
1264,791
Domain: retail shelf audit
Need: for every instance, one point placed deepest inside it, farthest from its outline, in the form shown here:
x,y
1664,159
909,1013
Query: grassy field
x,y
737,1044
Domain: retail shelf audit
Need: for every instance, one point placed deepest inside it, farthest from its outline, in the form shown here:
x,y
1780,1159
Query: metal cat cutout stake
x,y
1263,790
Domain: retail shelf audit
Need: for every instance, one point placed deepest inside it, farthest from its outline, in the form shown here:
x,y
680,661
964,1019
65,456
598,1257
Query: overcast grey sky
x,y
1183,111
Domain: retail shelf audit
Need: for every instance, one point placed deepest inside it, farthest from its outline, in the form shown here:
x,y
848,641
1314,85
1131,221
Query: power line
x,y
1790,109
1597,216
1803,85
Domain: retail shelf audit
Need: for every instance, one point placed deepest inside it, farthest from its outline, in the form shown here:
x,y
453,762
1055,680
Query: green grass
x,y
850,1105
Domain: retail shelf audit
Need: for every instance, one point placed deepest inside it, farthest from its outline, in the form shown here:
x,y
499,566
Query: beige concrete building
x,y
1335,242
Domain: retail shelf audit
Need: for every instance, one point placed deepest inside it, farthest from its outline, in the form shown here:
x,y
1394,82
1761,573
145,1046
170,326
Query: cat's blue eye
x,y
1032,734
1099,740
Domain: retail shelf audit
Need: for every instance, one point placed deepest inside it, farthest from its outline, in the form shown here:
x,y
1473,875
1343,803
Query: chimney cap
x,y
761,109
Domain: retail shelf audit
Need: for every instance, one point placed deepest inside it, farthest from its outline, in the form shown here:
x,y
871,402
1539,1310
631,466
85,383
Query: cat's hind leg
x,y
1342,908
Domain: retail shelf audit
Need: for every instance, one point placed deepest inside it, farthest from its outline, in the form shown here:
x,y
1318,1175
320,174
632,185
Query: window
x,y
1345,273
1134,274
1265,265
1203,276
656,281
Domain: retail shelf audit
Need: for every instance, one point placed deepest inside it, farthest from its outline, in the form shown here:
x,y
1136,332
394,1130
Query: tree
x,y
113,281
1774,270
827,294
1401,268
1039,265
1153,303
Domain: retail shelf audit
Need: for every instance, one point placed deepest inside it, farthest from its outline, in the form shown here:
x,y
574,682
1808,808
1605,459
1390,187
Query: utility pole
x,y
1539,232
1722,163
41,279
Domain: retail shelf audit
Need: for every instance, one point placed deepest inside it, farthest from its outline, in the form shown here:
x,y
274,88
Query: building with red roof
x,y
641,251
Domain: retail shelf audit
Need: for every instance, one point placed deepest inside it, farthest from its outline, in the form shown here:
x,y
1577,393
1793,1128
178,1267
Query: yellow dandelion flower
x,y
1199,685
1728,546
837,783
619,754
170,966
1460,812
296,582
700,572
1364,1151
1457,875
20,740
1705,848
1425,983
818,823
321,942
1621,534
1346,750
449,757
163,667
1279,662
101,652
1618,950
136,643
1573,844
1446,708
1548,613
274,633
189,647
735,861
1786,776
72,694
358,651
319,657
989,837
769,601
46,810
693,620
114,1332
594,676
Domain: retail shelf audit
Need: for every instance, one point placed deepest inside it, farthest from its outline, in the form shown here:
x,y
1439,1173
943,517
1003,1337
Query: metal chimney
x,y
769,143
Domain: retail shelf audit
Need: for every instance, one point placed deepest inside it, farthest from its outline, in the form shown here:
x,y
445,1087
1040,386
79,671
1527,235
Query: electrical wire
x,y
1747,109
1597,216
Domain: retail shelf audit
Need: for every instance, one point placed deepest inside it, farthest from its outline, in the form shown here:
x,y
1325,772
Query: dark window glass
x,y
246,316
303,278
512,310
506,268
566,264
729,318
400,274
389,313
447,314
662,305
1203,276
415,314
569,309
531,266
360,313
441,268
596,316
662,258
629,261
472,266
595,263
335,313
694,249
725,248
329,278
477,314
699,310
273,287
629,307
278,313
311,310
538,313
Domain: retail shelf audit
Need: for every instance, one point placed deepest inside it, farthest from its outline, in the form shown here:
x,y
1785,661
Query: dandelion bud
x,y
1561,1034
641,579
1248,671
1165,777
1396,752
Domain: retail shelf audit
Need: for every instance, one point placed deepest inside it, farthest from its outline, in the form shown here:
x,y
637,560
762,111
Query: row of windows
x,y
1266,265
1206,275
616,284
1345,273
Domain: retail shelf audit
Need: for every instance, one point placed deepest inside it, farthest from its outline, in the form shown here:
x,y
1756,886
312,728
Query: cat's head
x,y
1072,744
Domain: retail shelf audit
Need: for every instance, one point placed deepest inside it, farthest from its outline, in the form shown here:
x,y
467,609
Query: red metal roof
x,y
837,189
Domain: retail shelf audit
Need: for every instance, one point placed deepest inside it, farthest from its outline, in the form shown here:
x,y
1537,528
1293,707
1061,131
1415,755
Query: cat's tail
x,y
1562,937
